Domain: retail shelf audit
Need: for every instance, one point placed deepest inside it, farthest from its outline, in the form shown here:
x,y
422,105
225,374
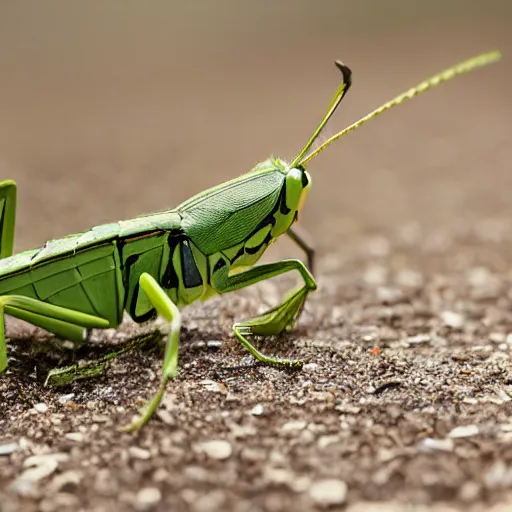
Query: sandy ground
x,y
405,400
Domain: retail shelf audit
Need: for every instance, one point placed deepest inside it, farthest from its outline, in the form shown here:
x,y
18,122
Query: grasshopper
x,y
157,264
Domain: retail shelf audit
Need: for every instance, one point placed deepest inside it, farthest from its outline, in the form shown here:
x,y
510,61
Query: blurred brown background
x,y
113,109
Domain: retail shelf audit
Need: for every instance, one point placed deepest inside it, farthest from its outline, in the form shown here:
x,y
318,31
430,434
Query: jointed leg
x,y
7,217
168,310
66,323
301,238
277,319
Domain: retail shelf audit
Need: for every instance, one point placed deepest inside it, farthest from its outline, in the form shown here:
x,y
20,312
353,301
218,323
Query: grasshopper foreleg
x,y
276,320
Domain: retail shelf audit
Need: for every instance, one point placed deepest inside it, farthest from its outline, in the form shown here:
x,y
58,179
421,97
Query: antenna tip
x,y
345,70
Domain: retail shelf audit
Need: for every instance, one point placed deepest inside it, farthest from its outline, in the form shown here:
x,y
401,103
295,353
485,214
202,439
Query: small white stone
x,y
148,497
294,426
8,448
74,436
464,431
64,399
418,339
212,386
138,453
42,408
257,410
327,440
68,479
430,444
216,449
38,467
328,492
452,319
310,367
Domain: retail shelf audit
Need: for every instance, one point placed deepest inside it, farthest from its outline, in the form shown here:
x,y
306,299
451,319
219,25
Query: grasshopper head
x,y
298,183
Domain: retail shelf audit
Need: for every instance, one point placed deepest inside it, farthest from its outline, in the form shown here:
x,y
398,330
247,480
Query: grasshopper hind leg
x,y
65,323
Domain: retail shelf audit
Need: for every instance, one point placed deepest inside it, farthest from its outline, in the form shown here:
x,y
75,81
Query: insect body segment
x,y
161,262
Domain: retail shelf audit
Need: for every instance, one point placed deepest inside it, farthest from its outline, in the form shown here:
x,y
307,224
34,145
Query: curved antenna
x,y
336,100
444,76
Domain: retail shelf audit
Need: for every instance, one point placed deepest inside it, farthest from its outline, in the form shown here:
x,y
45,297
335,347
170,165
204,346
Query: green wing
x,y
227,215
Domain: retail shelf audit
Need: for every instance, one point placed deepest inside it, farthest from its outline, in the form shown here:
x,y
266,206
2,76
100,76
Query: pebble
x,y
418,339
214,344
66,482
166,417
452,319
293,426
41,407
310,367
328,492
38,467
464,431
148,497
430,444
257,410
327,440
216,449
64,399
100,418
8,448
211,385
138,453
74,436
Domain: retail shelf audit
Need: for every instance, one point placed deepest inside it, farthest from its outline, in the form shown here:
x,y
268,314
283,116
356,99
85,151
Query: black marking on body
x,y
283,207
304,177
191,275
254,250
132,307
240,252
131,260
219,265
170,278
2,219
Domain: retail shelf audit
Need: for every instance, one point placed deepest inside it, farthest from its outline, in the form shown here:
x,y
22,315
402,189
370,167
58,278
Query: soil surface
x,y
405,399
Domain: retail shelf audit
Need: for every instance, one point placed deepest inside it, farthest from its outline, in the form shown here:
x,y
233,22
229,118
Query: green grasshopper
x,y
158,263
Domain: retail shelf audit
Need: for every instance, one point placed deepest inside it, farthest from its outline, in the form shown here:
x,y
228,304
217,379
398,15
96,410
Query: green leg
x,y
167,309
7,217
277,319
66,375
301,238
65,323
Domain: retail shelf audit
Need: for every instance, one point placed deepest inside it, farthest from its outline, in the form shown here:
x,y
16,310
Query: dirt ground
x,y
405,399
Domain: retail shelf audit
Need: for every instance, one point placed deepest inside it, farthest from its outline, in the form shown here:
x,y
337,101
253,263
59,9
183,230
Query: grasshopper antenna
x,y
336,100
444,76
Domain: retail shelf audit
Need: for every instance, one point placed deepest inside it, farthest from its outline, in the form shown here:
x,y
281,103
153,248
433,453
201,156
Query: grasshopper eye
x,y
305,179
299,173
